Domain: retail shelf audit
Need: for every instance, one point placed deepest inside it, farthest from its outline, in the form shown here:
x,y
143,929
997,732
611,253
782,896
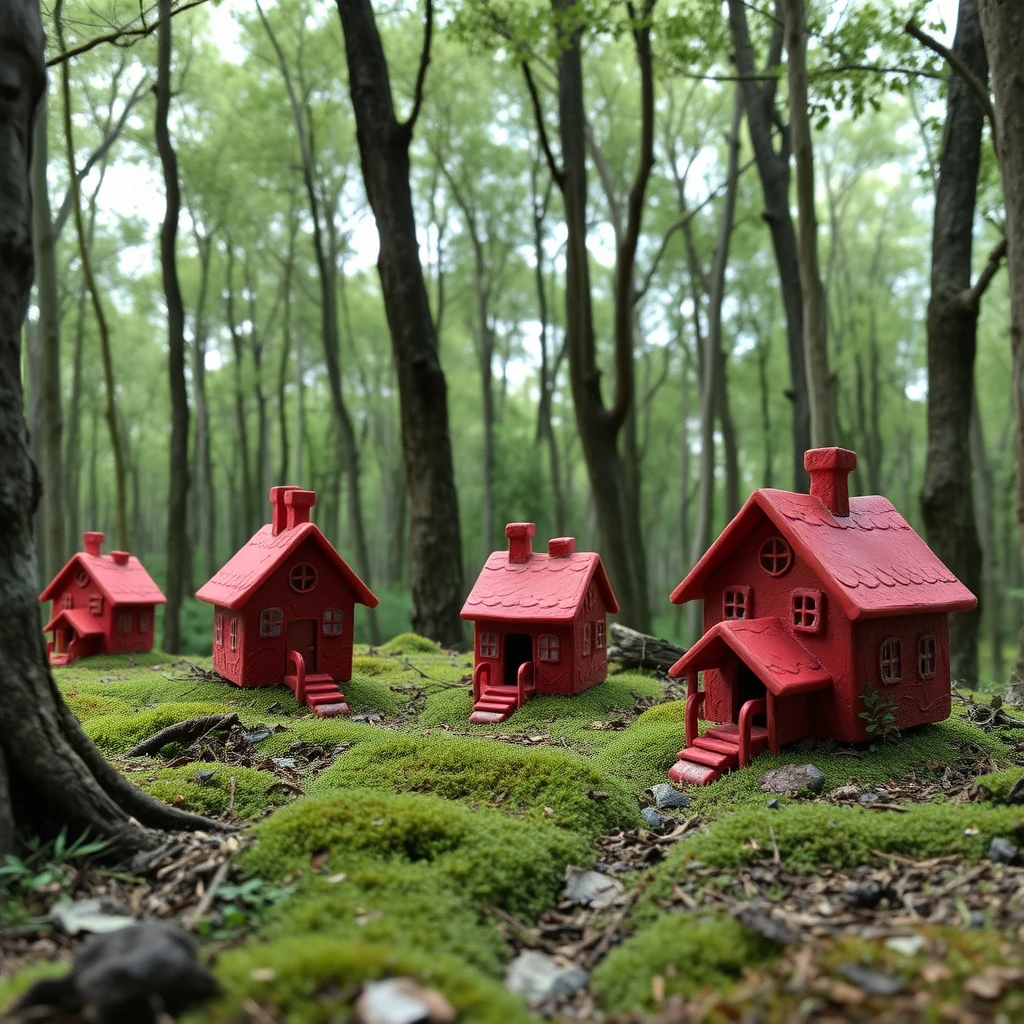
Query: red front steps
x,y
318,691
710,756
495,704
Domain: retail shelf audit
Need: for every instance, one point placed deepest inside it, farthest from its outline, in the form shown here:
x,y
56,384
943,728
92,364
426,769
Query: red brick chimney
x,y
119,557
92,541
519,546
297,504
829,469
561,547
278,515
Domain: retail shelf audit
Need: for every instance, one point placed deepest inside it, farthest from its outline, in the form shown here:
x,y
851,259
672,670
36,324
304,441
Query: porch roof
x,y
84,623
765,647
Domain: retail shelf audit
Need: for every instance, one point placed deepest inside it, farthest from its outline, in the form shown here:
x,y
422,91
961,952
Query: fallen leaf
x,y
263,974
934,973
335,879
658,988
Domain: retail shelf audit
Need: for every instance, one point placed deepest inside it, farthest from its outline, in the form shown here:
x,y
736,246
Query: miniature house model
x,y
283,608
809,599
102,604
540,623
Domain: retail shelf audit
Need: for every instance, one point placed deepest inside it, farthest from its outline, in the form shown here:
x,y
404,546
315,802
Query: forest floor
x,y
401,841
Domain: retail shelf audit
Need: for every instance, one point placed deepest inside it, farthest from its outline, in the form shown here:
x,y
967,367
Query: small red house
x,y
540,623
809,599
102,604
283,608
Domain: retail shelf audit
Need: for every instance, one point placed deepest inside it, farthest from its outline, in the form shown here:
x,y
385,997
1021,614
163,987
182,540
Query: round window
x,y
82,578
302,577
776,556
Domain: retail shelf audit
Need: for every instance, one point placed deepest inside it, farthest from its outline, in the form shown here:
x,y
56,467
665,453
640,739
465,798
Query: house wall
x,y
260,661
138,637
80,597
590,668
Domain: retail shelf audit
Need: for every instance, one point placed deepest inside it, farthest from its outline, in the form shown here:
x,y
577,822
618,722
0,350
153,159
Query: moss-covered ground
x,y
408,836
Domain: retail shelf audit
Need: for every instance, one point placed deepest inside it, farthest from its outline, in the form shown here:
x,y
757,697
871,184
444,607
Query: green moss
x,y
643,754
689,953
312,982
16,985
255,791
674,712
368,694
92,705
521,780
364,665
515,865
410,643
118,733
1000,783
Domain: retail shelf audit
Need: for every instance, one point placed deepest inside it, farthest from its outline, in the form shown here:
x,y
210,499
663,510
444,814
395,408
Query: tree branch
x,y
421,75
538,113
972,297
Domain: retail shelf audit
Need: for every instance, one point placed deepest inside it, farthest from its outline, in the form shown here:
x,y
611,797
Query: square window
x,y
488,645
599,635
332,621
807,611
586,639
547,648
736,603
67,601
890,660
270,621
233,634
218,630
124,623
96,604
926,657
144,622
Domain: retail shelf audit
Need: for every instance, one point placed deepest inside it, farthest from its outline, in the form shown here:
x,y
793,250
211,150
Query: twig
x,y
421,74
972,297
776,856
192,730
231,796
207,900
257,1012
613,926
524,931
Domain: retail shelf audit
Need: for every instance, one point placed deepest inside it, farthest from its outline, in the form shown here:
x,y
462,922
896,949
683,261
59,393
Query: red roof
x,y
84,623
764,646
541,589
875,561
250,566
121,584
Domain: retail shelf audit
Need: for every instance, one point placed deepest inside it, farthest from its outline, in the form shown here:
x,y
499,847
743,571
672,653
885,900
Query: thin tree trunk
x,y
286,355
177,499
248,509
203,458
985,511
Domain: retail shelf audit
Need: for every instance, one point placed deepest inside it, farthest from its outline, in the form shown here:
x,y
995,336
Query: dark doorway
x,y
518,649
748,687
302,638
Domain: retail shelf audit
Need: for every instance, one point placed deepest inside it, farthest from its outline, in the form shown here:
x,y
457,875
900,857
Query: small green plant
x,y
879,713
241,906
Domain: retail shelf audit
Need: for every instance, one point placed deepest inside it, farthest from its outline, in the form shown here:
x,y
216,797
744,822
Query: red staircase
x,y
317,690
492,704
722,748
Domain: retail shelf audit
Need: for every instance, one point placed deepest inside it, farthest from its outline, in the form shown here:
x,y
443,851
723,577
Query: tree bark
x,y
203,459
1002,25
820,386
435,544
177,499
51,776
248,505
947,500
985,502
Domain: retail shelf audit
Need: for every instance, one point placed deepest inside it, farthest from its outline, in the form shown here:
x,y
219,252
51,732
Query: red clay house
x,y
102,604
283,608
540,623
808,600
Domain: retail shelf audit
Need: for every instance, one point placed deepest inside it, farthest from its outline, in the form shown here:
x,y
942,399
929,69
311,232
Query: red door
x,y
302,638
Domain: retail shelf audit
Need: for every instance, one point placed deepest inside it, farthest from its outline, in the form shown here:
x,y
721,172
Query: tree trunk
x,y
51,776
248,507
1002,24
773,171
435,544
203,457
177,499
820,386
286,349
49,328
947,501
985,512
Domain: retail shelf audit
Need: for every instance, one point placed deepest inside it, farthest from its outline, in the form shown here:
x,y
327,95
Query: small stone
x,y
867,799
773,804
1016,794
591,888
845,793
368,716
621,866
539,977
402,1001
792,778
285,762
765,926
202,777
652,817
864,895
907,945
874,983
1002,851
667,797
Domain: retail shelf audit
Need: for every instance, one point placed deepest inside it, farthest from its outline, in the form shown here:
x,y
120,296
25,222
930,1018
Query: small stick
x,y
231,796
207,900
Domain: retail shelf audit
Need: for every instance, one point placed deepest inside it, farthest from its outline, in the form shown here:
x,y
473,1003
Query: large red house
x,y
283,608
102,604
809,600
540,623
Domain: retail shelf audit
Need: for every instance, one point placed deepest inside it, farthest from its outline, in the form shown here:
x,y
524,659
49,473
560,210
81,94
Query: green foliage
x,y
410,643
255,790
879,712
243,906
119,732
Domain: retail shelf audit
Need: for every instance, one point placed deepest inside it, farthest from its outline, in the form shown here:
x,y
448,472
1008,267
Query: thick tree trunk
x,y
947,501
985,503
177,499
435,543
51,776
1002,24
820,386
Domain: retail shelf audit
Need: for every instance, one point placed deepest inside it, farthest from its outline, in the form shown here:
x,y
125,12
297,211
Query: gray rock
x,y
867,799
591,888
1016,794
773,804
792,778
652,817
874,983
202,777
845,793
1002,851
667,797
864,895
539,977
765,926
402,1001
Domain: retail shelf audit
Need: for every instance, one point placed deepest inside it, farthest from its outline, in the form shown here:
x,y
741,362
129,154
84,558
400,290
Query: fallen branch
x,y
183,732
638,650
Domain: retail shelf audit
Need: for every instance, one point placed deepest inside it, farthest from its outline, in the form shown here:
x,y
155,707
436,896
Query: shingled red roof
x,y
250,566
765,647
84,623
876,563
121,584
543,588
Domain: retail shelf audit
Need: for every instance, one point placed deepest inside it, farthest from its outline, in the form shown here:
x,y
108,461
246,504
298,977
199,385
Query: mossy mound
x,y
367,665
542,783
515,865
689,953
93,705
643,754
410,643
1000,783
306,980
255,791
118,733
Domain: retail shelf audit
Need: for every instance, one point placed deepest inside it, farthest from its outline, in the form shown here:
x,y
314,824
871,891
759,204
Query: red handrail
x,y
693,705
478,687
300,674
747,712
526,669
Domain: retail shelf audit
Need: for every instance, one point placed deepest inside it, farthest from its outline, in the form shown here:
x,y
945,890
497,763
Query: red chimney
x,y
119,557
519,546
278,516
829,469
298,503
92,540
561,547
